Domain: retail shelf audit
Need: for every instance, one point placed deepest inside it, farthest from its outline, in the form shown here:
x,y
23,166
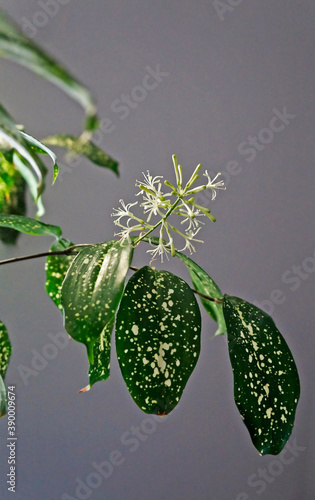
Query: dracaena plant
x,y
156,316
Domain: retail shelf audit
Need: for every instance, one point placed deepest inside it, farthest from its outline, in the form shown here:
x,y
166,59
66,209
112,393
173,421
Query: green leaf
x,y
157,338
266,381
5,353
92,290
17,48
100,368
56,267
84,148
204,284
29,226
12,138
38,147
29,177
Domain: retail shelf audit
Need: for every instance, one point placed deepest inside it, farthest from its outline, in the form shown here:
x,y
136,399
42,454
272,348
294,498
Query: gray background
x,y
225,78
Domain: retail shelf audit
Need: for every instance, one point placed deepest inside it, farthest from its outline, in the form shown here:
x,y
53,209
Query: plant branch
x,y
204,296
71,251
67,251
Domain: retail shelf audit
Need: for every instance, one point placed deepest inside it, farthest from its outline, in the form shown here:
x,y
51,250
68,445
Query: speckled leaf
x,y
92,290
83,148
29,226
266,381
56,267
17,48
204,284
5,353
157,338
100,368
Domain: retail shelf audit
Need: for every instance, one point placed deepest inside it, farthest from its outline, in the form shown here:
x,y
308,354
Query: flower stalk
x,y
157,203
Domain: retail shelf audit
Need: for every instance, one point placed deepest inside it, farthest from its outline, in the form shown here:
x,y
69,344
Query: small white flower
x,y
153,204
150,183
160,250
124,211
188,239
191,213
214,185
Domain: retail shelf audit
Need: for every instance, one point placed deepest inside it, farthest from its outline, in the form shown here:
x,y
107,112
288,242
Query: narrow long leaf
x,y
83,148
39,147
204,284
17,48
92,290
16,141
266,381
29,226
157,338
30,178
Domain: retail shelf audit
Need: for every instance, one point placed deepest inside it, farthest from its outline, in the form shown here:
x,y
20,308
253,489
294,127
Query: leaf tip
x,y
85,389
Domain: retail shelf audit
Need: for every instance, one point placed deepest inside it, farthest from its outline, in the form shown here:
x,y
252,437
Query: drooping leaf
x,y
204,284
17,48
5,353
266,381
56,267
157,338
39,147
30,178
12,197
84,148
29,226
11,137
92,290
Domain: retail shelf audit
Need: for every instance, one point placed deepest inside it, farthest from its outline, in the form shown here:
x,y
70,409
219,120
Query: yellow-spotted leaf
x,y
100,368
266,381
92,290
157,338
56,267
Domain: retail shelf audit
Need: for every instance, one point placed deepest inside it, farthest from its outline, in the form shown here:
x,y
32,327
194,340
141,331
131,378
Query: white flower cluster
x,y
179,200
